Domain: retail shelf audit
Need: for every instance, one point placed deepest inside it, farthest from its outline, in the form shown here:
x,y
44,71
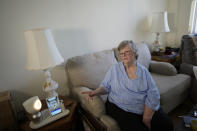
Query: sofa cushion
x,y
194,38
188,49
144,56
96,106
167,68
171,86
186,69
89,70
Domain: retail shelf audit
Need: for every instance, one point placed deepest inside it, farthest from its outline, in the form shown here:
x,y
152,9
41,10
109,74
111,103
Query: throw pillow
x,y
163,68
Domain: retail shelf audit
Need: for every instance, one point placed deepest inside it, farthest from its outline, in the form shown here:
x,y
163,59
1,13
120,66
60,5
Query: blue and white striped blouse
x,y
131,94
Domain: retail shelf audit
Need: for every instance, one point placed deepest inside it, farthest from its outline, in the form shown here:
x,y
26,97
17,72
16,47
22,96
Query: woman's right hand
x,y
90,94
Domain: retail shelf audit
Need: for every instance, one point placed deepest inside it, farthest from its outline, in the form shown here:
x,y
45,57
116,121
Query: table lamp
x,y
43,54
159,25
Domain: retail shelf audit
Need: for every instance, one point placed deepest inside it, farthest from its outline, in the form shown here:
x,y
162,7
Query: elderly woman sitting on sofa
x,y
133,98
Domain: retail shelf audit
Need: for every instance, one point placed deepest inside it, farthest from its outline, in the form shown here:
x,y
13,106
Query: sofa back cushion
x,y
89,70
144,56
188,49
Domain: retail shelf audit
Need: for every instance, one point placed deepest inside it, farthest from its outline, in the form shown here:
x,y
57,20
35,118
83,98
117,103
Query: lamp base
x,y
156,44
50,86
46,118
156,47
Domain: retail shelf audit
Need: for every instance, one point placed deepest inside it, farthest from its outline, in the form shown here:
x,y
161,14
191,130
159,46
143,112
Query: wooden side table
x,y
7,116
163,59
67,123
174,60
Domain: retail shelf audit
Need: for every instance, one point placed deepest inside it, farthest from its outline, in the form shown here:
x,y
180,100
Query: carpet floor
x,y
181,110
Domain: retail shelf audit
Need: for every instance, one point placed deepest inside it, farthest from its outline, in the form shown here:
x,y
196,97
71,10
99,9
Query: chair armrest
x,y
95,106
162,68
110,123
187,69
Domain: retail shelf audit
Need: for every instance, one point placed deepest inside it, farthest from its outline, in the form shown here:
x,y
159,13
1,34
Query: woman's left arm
x,y
147,116
152,101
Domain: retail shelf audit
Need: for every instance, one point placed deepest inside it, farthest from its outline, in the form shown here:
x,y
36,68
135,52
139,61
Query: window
x,y
193,18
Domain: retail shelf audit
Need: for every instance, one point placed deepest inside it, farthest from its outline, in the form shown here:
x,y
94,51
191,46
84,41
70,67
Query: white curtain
x,y
193,18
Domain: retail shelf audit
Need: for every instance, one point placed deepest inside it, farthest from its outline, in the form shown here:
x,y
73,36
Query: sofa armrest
x,y
92,122
95,106
162,68
187,69
110,123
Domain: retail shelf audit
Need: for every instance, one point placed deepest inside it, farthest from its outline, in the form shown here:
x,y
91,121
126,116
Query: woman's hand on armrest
x,y
91,94
95,106
98,91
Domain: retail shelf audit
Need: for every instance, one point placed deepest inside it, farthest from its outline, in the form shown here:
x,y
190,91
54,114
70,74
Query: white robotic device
x,y
54,112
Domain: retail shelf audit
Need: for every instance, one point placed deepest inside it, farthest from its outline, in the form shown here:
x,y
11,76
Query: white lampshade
x,y
159,22
42,52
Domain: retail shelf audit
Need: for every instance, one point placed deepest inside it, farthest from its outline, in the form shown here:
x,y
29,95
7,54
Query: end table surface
x,y
165,58
173,59
61,123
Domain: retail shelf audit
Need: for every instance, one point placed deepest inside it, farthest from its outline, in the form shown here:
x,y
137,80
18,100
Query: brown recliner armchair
x,y
188,53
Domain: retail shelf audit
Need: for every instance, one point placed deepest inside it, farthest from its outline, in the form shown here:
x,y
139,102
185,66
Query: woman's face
x,y
127,55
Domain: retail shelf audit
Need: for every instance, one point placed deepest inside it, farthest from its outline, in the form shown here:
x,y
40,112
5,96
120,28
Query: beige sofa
x,y
87,71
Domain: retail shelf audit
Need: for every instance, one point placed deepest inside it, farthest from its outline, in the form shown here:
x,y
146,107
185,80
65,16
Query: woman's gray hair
x,y
129,43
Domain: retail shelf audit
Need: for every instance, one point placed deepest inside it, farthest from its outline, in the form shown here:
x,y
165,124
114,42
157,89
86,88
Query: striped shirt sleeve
x,y
106,82
153,97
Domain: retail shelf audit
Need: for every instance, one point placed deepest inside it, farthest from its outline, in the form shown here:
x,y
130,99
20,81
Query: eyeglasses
x,y
126,53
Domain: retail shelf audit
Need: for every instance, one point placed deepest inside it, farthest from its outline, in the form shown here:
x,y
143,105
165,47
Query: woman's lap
x,y
129,121
160,121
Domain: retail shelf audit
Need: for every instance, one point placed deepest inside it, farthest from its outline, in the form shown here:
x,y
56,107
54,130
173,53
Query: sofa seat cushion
x,y
171,86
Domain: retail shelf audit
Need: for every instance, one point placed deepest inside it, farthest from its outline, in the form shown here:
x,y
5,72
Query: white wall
x,y
79,26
